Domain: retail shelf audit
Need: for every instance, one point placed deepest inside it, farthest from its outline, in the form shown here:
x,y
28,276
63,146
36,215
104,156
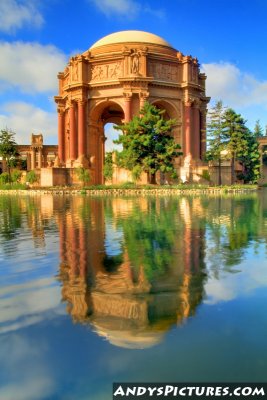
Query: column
x,y
81,129
143,98
127,107
29,164
73,136
61,139
39,158
33,163
196,133
202,133
187,148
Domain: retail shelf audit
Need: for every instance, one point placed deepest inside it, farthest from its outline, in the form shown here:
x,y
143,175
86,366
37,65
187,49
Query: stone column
x,y
81,129
196,133
187,148
127,107
202,132
39,158
61,138
29,163
143,98
33,161
73,135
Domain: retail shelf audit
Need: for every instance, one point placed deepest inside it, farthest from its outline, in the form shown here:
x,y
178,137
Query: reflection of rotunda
x,y
110,83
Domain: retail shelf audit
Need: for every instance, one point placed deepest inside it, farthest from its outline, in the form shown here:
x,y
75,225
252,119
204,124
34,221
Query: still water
x,y
97,290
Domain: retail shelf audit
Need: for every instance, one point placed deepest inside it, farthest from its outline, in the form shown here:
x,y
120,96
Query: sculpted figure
x,y
135,62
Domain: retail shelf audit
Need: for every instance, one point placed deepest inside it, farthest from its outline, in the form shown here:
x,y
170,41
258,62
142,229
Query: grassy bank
x,y
128,189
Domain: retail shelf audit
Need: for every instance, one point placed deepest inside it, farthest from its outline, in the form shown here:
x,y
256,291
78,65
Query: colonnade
x,y
77,131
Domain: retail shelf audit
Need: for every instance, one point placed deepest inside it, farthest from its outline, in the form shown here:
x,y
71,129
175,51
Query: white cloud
x,y
16,14
236,88
25,119
31,67
126,8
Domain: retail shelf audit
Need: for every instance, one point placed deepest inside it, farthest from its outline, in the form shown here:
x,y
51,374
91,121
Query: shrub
x,y
15,176
83,175
31,177
4,178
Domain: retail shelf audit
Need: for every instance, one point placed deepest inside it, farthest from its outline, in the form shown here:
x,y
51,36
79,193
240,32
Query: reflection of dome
x,y
128,338
131,37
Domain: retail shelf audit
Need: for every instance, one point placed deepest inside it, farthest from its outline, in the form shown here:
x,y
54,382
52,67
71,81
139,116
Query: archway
x,y
104,115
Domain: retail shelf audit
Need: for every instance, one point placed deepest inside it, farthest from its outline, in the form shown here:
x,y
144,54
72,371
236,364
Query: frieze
x,y
106,71
164,72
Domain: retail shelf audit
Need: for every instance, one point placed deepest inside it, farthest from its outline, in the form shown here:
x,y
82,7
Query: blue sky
x,y
37,37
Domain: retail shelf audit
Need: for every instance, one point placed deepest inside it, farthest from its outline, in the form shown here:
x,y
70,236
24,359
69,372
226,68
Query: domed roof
x,y
131,37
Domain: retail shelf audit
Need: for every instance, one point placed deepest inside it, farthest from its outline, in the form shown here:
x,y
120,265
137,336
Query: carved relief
x,y
75,70
106,71
165,72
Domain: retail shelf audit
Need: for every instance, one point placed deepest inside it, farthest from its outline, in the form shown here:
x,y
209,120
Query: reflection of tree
x,y
10,217
233,223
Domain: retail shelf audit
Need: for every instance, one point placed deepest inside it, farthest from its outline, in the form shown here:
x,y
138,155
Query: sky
x,y
229,38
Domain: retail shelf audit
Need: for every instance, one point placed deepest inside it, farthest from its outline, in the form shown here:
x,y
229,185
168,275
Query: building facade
x,y
111,81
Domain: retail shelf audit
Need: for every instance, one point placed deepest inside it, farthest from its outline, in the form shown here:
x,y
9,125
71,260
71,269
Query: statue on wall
x,y
135,62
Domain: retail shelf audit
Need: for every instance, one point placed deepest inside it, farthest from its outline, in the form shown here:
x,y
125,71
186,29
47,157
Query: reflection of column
x,y
81,129
127,107
196,133
73,136
187,128
33,166
61,139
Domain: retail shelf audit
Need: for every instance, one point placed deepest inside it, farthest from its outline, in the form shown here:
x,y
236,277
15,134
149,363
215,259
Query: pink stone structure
x,y
111,81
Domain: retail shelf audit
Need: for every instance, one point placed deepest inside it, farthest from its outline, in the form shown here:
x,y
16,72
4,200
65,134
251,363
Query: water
x,y
95,290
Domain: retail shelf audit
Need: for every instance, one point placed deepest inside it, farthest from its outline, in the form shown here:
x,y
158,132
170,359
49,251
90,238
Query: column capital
x,y
127,96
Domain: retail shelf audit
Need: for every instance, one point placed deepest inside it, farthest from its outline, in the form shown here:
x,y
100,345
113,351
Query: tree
x,y
8,147
236,138
215,135
250,160
148,145
258,130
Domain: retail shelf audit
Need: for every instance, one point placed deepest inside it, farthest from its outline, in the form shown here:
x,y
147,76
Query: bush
x,y
83,175
15,176
206,175
4,178
31,177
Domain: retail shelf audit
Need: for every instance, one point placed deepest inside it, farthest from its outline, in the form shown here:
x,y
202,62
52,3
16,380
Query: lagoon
x,y
136,289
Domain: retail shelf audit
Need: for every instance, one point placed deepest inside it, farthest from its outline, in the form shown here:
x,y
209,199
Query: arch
x,y
107,111
172,111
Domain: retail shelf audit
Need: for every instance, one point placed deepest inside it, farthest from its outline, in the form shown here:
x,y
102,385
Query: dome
x,y
132,37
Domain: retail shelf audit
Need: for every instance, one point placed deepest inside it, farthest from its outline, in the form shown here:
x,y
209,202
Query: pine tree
x,y
236,139
148,145
258,130
215,134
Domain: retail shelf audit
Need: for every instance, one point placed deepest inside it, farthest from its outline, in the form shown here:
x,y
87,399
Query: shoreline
x,y
129,192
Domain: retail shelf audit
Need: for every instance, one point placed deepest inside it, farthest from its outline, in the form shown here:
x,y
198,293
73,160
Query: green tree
x,y
215,135
236,138
148,145
258,130
250,160
8,148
